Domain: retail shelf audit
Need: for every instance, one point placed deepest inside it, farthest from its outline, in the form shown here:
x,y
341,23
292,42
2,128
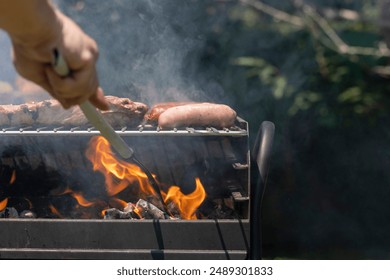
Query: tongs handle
x,y
98,121
94,116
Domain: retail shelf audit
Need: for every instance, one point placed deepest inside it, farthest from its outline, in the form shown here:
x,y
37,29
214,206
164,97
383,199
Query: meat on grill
x,y
123,112
198,114
154,113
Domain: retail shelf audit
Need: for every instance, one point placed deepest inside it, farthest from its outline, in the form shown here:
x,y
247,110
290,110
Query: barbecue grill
x,y
46,159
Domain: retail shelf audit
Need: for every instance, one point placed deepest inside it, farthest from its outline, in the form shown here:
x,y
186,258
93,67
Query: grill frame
x,y
225,239
141,239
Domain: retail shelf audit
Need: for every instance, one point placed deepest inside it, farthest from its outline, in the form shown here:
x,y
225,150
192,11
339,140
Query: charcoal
x,y
150,211
222,212
27,214
115,214
172,208
129,208
9,212
155,201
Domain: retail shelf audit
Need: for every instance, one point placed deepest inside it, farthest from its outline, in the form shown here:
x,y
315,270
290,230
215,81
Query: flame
x,y
3,204
120,175
114,202
13,177
117,203
187,204
81,200
136,211
103,212
55,211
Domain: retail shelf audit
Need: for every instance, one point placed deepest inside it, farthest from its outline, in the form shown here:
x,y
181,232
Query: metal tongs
x,y
97,120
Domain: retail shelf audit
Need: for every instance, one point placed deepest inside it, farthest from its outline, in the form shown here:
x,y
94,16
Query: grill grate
x,y
143,130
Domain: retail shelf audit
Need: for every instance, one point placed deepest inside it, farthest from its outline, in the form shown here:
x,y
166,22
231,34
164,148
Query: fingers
x,y
30,69
80,53
99,101
80,86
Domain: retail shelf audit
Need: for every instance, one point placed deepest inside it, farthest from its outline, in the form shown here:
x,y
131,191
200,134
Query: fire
x,y
13,177
117,203
79,198
3,204
55,211
120,175
187,204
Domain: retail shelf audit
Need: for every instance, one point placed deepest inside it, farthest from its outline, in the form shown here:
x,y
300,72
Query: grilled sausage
x,y
198,114
154,113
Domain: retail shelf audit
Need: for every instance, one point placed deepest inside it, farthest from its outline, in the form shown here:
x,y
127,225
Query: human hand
x,y
34,62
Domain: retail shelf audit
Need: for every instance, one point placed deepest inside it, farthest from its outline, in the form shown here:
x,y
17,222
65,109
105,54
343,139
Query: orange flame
x,y
81,200
119,175
117,203
103,212
13,177
187,204
3,204
55,211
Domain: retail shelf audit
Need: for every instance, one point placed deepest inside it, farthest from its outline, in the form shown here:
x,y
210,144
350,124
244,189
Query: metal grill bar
x,y
75,132
143,130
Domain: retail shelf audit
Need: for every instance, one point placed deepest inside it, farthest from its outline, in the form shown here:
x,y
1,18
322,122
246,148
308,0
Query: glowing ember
x,y
120,175
3,204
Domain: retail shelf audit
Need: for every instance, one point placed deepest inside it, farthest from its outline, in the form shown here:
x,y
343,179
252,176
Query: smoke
x,y
144,46
148,50
7,72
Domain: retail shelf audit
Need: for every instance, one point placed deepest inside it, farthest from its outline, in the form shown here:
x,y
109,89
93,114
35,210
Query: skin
x,y
36,28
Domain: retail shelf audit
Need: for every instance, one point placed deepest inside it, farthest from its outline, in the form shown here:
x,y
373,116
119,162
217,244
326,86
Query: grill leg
x,y
261,158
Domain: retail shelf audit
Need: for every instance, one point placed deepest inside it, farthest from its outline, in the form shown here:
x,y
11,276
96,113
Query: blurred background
x,y
317,69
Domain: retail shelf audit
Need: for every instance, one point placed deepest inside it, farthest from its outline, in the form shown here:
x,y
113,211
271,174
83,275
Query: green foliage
x,y
329,174
334,85
267,73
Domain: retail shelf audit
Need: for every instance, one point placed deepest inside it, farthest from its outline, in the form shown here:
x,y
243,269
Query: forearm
x,y
29,22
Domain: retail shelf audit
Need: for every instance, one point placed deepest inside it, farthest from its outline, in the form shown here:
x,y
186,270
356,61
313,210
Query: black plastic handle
x,y
262,149
261,155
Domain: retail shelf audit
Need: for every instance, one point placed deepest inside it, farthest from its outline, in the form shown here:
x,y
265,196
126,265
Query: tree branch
x,y
334,41
275,13
340,45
